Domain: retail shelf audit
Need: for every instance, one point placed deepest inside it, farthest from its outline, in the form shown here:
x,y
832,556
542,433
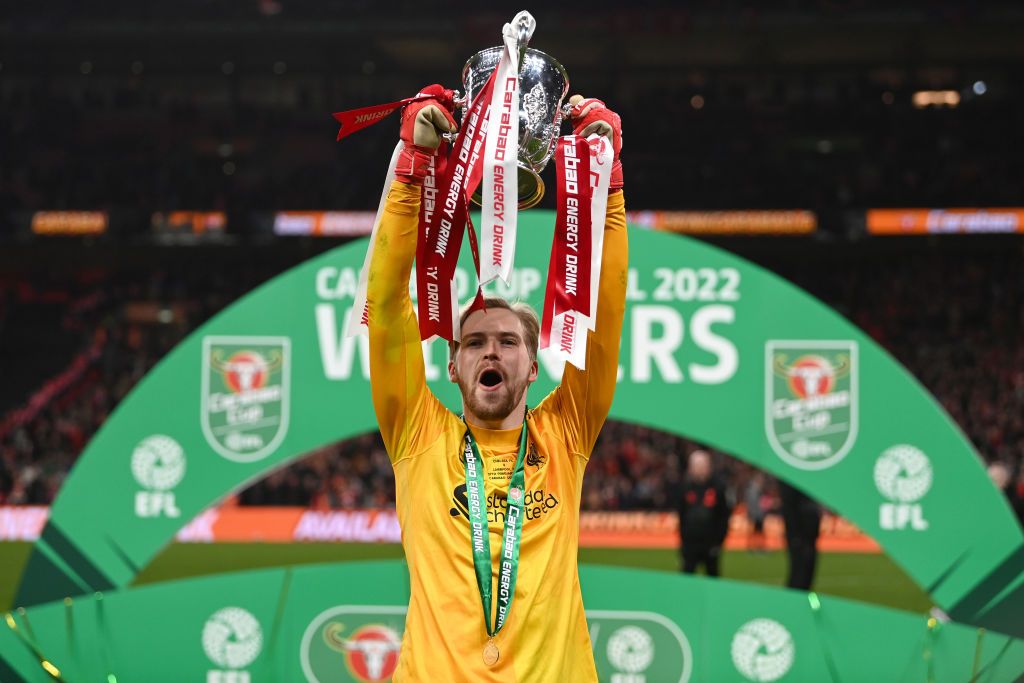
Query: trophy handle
x,y
460,102
524,25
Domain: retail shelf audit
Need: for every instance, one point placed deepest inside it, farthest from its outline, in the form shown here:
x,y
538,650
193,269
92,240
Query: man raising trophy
x,y
488,501
479,518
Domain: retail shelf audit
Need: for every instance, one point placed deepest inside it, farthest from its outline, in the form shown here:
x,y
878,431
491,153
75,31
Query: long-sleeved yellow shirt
x,y
545,638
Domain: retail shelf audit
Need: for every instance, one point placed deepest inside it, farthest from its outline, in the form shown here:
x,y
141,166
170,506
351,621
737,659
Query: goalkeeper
x,y
468,499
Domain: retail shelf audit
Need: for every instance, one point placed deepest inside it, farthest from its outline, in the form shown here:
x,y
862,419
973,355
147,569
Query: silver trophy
x,y
543,84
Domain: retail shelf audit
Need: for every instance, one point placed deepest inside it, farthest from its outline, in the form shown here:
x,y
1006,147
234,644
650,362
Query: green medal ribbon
x,y
480,538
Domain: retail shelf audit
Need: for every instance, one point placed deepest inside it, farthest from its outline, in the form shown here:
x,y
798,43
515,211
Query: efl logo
x,y
763,650
245,395
232,639
811,401
353,644
158,465
639,647
903,474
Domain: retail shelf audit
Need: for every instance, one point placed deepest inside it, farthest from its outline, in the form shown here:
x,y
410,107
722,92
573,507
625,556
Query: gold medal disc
x,y
490,653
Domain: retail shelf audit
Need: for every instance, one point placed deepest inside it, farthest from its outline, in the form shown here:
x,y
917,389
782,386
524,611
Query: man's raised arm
x,y
586,395
397,376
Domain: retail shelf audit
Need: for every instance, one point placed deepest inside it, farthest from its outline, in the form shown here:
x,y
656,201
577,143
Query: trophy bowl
x,y
543,84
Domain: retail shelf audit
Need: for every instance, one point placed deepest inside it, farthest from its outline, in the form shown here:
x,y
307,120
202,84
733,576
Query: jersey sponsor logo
x,y
353,644
639,647
245,395
537,503
763,650
903,475
232,639
811,401
534,457
158,465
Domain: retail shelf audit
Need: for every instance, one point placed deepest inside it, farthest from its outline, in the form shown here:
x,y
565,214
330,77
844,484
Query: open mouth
x,y
490,379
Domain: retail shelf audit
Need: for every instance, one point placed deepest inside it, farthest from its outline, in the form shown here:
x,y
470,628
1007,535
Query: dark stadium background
x,y
200,105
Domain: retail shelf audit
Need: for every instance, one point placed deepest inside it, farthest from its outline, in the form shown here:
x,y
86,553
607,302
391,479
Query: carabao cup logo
x,y
353,643
811,401
158,463
232,638
246,395
762,650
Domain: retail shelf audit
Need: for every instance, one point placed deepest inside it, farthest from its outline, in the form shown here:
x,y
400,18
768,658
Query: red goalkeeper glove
x,y
423,122
589,116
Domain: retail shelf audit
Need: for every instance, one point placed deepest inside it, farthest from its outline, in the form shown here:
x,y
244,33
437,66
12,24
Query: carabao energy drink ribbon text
x,y
493,122
435,272
500,196
583,169
444,207
479,534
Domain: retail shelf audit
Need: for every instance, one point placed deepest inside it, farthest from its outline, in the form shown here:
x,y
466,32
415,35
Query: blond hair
x,y
527,316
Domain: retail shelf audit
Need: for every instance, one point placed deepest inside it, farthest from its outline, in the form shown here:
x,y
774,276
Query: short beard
x,y
497,410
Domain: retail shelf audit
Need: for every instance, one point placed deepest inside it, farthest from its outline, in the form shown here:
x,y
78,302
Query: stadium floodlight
x,y
936,98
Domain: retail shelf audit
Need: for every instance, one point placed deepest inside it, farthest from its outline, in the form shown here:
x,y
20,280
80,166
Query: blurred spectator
x,y
704,512
802,517
755,498
1002,478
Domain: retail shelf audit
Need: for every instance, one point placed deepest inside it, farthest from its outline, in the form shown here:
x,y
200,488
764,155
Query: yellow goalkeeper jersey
x,y
545,638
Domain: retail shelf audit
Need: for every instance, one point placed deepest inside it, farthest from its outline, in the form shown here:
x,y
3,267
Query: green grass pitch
x,y
869,578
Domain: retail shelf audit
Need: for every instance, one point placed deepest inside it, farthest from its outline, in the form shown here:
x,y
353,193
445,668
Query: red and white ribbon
x,y
583,168
355,120
602,157
500,195
438,304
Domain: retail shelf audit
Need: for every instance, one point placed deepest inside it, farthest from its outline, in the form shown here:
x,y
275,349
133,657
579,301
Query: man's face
x,y
700,466
492,366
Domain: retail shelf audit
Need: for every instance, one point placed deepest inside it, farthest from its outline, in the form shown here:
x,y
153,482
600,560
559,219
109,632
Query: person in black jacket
x,y
802,516
703,515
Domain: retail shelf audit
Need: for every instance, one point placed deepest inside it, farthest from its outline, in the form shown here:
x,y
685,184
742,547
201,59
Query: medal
x,y
490,653
480,541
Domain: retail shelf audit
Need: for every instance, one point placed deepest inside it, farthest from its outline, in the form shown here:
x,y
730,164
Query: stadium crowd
x,y
244,124
115,321
955,343
128,146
